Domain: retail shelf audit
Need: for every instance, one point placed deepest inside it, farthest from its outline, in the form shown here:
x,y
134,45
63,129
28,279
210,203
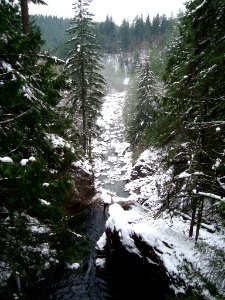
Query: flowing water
x,y
112,164
83,283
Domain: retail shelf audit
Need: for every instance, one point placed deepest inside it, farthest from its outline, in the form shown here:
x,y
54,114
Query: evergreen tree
x,y
130,103
107,36
29,95
194,108
112,39
110,31
124,36
84,69
145,102
138,31
29,88
163,23
156,25
148,30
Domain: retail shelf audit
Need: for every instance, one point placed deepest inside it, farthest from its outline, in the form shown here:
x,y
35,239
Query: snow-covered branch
x,y
210,195
52,58
196,125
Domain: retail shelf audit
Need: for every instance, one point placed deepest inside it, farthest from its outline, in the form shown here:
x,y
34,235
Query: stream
x,y
112,162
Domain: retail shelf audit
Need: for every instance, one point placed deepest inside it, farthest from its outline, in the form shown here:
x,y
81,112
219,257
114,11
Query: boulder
x,y
82,189
134,274
133,266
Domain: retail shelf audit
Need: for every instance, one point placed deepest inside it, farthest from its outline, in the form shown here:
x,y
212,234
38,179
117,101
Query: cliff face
x,y
155,257
135,267
137,274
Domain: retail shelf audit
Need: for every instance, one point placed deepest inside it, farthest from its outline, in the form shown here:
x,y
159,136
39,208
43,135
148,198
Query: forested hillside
x,y
112,38
53,31
183,114
174,98
122,47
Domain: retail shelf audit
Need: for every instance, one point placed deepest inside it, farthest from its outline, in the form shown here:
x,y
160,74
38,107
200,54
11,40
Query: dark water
x,y
84,283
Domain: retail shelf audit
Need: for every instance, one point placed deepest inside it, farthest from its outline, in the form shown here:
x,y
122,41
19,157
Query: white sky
x,y
118,9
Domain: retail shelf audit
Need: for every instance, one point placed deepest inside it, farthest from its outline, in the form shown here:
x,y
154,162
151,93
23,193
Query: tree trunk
x,y
199,219
83,99
202,166
89,146
25,16
84,130
194,207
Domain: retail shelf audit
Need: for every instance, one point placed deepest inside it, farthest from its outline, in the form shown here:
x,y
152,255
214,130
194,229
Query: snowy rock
x,y
127,256
105,196
161,250
84,165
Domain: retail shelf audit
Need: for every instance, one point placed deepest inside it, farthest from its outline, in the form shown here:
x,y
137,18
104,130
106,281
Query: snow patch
x,y
6,159
84,165
44,202
73,266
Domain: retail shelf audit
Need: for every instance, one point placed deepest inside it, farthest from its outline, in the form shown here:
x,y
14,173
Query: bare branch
x,y
13,119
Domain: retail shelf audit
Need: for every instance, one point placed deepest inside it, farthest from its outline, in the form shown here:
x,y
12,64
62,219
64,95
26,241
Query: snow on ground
x,y
147,188
181,252
113,165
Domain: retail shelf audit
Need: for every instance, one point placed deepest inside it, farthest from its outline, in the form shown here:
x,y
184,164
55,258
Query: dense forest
x,y
120,46
54,74
112,38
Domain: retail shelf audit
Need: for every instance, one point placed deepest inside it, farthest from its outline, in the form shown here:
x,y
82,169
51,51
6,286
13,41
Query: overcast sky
x,y
118,9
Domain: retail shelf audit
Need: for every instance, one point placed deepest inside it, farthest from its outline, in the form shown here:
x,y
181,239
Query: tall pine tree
x,y
84,69
145,98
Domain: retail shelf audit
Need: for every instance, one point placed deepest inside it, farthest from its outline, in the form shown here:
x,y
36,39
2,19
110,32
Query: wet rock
x,y
126,205
141,171
83,190
134,175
